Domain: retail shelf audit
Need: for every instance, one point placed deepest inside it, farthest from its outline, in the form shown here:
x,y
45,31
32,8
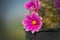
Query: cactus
x,y
49,14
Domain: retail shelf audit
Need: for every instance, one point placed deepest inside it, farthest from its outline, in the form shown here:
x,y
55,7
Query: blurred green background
x,y
13,11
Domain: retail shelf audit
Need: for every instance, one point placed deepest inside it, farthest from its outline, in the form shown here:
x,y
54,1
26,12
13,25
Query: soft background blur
x,y
13,13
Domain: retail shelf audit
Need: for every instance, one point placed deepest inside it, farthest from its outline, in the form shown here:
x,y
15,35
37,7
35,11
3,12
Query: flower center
x,y
34,22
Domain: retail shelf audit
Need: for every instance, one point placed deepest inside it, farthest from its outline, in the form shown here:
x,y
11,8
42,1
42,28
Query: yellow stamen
x,y
34,22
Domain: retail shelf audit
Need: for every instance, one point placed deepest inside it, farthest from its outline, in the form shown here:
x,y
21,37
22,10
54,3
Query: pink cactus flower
x,y
57,4
32,5
32,22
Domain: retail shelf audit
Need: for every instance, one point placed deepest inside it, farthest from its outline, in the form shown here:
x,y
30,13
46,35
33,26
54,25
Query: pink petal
x,y
28,17
34,15
36,4
24,22
28,26
27,30
28,5
33,31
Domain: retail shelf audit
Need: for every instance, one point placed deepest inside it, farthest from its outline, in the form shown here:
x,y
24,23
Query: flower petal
x,y
28,5
33,31
57,3
28,26
27,30
34,15
28,17
24,22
